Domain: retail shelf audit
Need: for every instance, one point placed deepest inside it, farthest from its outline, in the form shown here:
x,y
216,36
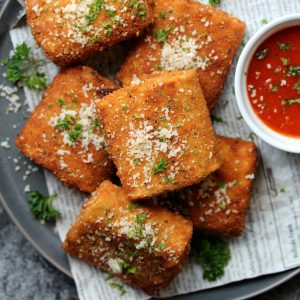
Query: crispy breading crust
x,y
197,21
56,27
159,134
44,144
103,235
220,204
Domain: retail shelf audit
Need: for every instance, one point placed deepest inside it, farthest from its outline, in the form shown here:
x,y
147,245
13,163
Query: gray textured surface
x,y
25,275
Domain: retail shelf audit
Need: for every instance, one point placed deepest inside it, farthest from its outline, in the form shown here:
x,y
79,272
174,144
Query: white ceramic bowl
x,y
270,136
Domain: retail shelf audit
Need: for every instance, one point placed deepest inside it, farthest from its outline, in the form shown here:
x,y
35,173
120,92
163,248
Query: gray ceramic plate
x,y
42,237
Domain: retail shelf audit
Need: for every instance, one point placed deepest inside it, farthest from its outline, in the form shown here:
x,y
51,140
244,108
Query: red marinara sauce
x,y
273,82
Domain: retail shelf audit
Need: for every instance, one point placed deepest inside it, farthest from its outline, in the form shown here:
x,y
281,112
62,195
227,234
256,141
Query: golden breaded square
x,y
64,134
219,205
187,34
159,134
142,244
71,30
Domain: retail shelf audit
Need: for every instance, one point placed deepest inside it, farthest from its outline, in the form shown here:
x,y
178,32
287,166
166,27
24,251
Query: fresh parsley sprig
x,y
23,68
212,253
41,206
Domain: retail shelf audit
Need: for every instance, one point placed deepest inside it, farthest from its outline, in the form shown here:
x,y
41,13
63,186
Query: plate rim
x,y
290,273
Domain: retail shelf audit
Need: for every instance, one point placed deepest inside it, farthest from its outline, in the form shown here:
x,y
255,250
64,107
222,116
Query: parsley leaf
x,y
215,2
162,34
216,119
297,86
41,206
94,9
213,254
160,167
283,46
23,69
163,14
76,132
293,71
291,101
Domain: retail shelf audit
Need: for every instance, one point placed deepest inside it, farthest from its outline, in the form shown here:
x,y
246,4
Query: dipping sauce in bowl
x,y
273,82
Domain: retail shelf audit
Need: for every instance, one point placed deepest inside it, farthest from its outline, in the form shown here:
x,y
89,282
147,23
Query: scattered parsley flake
x,y
293,71
94,9
162,34
264,21
60,102
284,61
291,101
282,190
41,206
216,119
283,46
160,167
132,206
141,218
163,14
215,2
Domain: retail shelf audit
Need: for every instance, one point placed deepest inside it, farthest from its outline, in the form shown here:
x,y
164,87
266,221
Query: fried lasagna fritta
x,y
72,30
64,134
159,134
142,244
186,34
219,205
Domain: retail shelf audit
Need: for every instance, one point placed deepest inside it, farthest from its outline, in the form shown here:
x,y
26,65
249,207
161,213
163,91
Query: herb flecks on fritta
x,y
23,68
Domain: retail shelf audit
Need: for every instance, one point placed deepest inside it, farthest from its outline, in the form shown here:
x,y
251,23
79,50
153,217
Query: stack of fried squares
x,y
155,132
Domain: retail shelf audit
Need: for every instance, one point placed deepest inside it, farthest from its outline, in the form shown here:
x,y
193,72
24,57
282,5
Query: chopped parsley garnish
x,y
261,54
284,61
162,34
96,122
162,246
132,206
115,284
124,106
291,101
168,179
64,124
160,167
141,218
75,132
60,102
213,254
136,162
23,69
126,267
216,119
221,185
297,86
282,190
293,71
273,88
94,9
41,206
163,14
283,46
136,117
264,21
215,2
